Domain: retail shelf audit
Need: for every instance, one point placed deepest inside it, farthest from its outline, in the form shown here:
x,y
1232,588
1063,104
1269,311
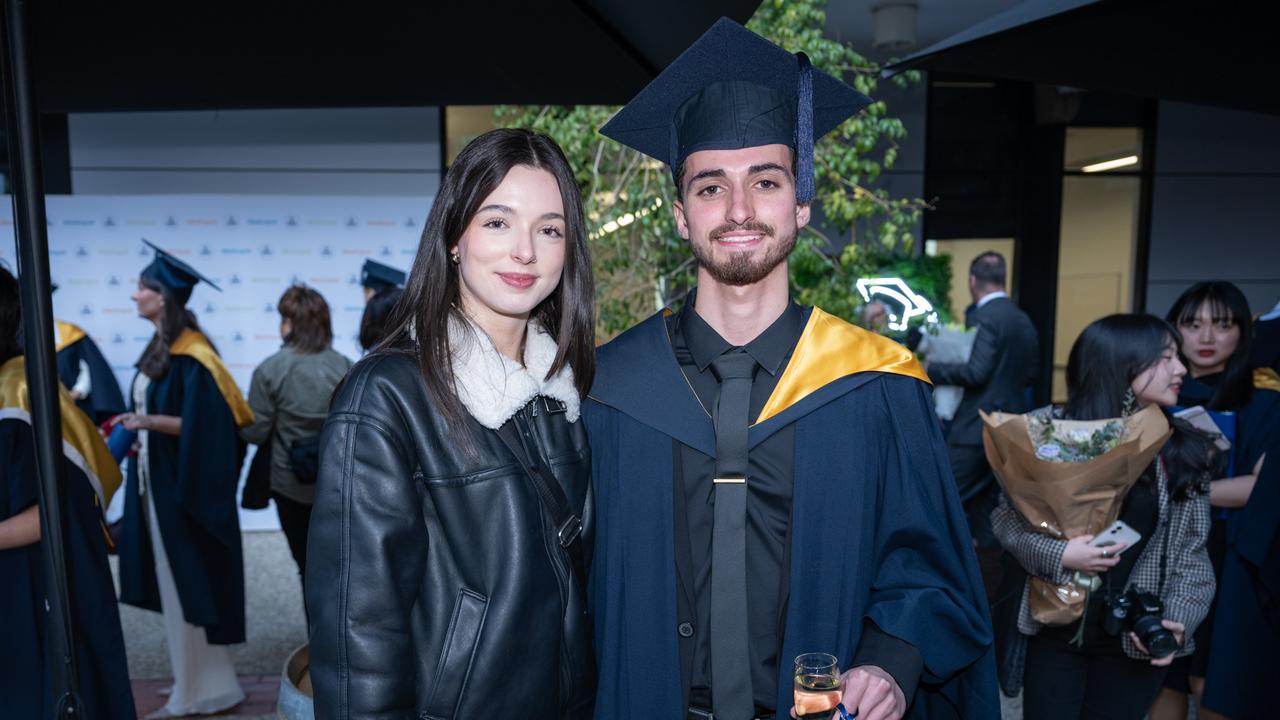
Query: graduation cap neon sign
x,y
897,290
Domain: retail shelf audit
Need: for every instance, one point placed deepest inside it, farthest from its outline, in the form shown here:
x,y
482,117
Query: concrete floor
x,y
275,624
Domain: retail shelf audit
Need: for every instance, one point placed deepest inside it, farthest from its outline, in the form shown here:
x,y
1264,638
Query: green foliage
x,y
641,262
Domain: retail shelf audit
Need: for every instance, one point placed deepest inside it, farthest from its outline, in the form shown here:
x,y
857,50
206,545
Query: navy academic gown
x,y
193,483
25,680
877,530
105,400
1243,673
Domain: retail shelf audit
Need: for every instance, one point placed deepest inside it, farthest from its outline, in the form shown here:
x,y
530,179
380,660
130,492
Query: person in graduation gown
x,y
180,547
769,479
376,278
1217,331
86,373
88,477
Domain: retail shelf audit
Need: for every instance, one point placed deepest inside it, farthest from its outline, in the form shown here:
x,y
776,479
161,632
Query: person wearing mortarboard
x,y
180,546
376,277
86,373
769,479
88,477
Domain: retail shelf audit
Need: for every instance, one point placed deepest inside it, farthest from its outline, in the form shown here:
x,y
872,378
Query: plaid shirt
x,y
1182,532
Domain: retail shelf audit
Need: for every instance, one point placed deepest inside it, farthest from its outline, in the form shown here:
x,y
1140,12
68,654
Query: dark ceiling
x,y
187,56
1220,53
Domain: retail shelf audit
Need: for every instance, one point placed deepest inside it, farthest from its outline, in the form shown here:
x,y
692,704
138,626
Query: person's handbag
x,y
257,484
304,459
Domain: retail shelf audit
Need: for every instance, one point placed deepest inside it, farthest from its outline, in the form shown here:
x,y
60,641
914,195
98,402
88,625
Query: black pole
x,y
22,116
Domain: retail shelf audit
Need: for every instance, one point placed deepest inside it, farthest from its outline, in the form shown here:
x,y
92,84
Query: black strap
x,y
568,526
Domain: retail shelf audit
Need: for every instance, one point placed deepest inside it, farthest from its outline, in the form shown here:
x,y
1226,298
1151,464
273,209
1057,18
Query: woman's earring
x,y
455,257
1130,405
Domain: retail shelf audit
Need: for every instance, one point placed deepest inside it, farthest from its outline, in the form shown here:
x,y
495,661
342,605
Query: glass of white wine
x,y
817,686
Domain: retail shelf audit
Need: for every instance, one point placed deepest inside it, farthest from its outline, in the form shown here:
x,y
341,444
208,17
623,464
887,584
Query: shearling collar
x,y
493,387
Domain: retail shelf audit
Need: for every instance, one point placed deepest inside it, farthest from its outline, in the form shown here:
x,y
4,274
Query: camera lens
x,y
1158,641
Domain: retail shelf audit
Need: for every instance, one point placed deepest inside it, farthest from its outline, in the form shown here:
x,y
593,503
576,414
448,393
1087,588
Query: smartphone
x,y
1116,534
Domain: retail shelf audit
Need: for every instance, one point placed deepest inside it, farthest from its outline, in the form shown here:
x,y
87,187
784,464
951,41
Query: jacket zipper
x,y
558,555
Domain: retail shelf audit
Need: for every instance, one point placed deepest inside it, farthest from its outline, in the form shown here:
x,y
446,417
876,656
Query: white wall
x,y
362,151
1215,204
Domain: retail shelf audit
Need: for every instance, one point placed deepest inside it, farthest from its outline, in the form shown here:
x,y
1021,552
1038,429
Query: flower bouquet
x,y
1069,478
947,344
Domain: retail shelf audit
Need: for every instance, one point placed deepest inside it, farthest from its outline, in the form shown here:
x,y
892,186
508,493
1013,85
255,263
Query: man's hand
x,y
873,694
133,421
1179,632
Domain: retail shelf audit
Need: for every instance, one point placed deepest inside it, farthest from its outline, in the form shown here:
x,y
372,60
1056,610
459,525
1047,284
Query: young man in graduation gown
x,y
769,479
86,373
180,548
88,477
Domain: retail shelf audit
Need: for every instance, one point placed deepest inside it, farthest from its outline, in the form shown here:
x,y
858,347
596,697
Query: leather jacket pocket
x,y
456,656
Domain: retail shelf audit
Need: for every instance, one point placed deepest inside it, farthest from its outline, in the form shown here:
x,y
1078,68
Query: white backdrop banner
x,y
254,247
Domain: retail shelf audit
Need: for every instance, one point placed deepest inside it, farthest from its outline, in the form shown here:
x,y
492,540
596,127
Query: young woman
x,y
1118,365
452,514
89,478
180,547
289,395
1216,326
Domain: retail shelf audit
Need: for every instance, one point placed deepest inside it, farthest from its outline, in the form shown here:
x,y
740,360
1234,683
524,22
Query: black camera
x,y
1141,613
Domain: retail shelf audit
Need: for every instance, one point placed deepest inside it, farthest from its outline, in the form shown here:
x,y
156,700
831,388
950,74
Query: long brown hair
x,y
154,362
311,330
431,295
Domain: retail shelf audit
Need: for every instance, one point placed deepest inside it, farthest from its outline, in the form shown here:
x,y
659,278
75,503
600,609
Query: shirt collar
x,y
992,296
769,349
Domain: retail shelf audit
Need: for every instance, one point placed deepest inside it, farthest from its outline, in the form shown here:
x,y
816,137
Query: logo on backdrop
x,y
86,310
82,252
171,222
231,221
293,222
266,250
209,308
385,251
409,222
326,251
268,308
113,281
205,250
109,222
235,279
351,222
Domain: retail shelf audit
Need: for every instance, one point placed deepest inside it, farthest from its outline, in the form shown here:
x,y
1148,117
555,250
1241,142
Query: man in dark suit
x,y
1001,366
1266,340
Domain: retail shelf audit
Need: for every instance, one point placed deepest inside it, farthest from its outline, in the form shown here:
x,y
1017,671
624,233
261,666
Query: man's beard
x,y
743,268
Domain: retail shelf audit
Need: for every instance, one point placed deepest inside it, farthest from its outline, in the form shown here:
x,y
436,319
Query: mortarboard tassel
x,y
805,190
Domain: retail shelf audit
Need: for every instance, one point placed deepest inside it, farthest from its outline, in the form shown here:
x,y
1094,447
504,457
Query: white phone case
x,y
1118,533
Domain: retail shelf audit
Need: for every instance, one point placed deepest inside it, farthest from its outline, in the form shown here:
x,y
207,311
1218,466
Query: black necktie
x,y
731,694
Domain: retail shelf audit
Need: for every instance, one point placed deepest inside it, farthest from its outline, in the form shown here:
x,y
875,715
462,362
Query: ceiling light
x,y
893,25
1120,162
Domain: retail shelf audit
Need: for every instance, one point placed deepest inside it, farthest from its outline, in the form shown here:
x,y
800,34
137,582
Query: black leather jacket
x,y
435,585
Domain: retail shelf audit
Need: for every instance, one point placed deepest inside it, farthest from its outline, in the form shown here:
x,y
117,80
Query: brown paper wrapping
x,y
1064,500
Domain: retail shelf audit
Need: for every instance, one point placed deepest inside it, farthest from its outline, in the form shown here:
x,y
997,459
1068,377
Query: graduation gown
x,y
1242,670
877,529
73,345
193,478
88,477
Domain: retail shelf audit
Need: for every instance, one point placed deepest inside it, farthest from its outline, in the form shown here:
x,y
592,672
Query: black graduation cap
x,y
378,277
174,274
733,89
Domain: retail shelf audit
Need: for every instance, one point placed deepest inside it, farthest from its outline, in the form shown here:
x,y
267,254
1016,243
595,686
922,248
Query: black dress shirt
x,y
770,476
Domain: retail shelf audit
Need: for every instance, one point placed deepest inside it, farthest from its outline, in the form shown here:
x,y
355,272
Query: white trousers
x,y
204,679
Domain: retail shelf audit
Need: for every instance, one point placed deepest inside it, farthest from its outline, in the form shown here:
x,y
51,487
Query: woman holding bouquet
x,y
1094,667
1216,326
